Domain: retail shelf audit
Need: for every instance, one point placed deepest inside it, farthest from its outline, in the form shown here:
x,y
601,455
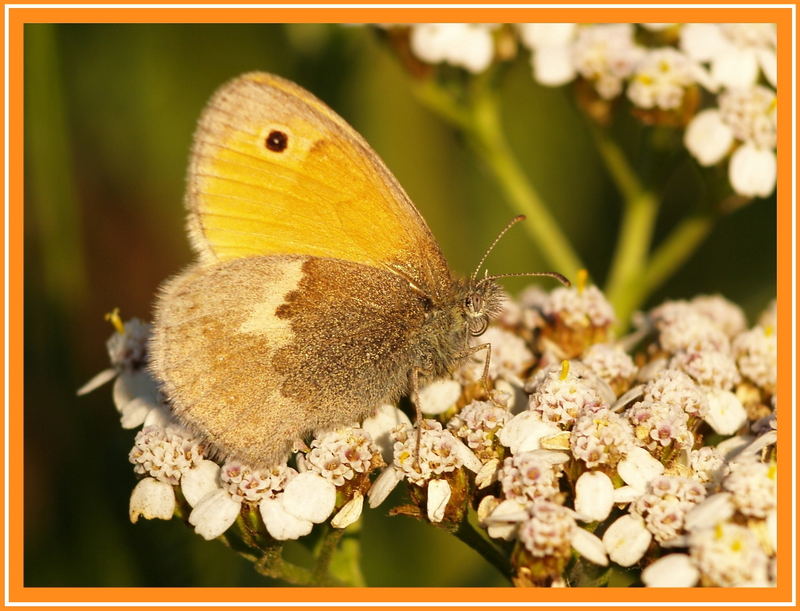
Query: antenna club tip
x,y
519,217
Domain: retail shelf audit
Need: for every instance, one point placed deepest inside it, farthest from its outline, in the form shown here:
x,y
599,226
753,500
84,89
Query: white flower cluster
x,y
733,64
573,440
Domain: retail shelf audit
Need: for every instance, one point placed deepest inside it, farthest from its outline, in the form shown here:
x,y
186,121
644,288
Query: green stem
x,y
636,230
330,539
480,120
676,248
470,535
272,565
673,252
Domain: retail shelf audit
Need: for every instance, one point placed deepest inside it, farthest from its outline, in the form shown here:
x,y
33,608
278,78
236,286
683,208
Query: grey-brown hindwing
x,y
256,352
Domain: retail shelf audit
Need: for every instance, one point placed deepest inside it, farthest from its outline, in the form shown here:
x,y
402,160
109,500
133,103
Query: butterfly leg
x,y
415,374
485,376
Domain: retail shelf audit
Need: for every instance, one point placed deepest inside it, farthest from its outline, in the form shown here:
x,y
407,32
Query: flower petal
x,y
282,525
735,68
638,468
97,381
713,510
671,571
131,385
753,171
626,540
589,546
151,500
707,137
350,512
214,514
438,496
553,66
135,412
725,413
309,496
524,431
198,481
467,456
594,496
383,485
380,426
439,396
487,474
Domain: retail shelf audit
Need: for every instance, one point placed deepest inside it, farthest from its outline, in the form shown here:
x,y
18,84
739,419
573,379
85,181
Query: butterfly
x,y
319,293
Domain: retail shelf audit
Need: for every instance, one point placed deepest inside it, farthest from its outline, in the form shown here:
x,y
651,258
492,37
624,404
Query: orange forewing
x,y
326,194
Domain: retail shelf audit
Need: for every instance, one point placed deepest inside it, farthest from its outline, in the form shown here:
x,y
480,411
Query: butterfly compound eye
x,y
277,141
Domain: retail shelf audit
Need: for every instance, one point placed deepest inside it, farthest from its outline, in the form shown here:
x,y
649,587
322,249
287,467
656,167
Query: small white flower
x,y
165,454
467,45
438,497
606,55
729,555
708,465
725,314
529,476
341,454
753,485
661,78
601,437
756,354
709,368
551,52
579,307
152,499
594,496
665,504
548,531
681,327
350,512
626,540
611,363
671,571
560,394
735,52
725,414
439,452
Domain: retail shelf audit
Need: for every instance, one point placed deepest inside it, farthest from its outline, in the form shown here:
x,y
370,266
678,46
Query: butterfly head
x,y
483,298
482,301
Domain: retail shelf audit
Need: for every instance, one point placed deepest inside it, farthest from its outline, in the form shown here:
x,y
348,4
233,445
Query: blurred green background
x,y
109,113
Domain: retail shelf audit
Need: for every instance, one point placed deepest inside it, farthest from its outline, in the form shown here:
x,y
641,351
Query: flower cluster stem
x,y
471,536
640,210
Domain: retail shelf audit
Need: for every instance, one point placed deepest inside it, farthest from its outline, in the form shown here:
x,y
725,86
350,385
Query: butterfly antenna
x,y
513,222
562,279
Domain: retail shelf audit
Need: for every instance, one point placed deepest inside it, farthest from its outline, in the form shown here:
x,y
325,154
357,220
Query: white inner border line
x,y
6,231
